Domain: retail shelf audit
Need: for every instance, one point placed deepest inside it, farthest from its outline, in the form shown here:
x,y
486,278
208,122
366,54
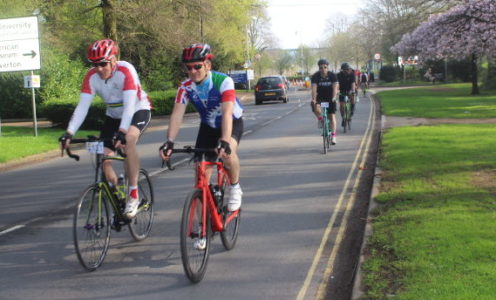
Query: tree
x,y
387,20
284,62
466,30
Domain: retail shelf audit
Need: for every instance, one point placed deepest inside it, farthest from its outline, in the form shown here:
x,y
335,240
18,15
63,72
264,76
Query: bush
x,y
59,112
60,79
389,73
15,100
163,102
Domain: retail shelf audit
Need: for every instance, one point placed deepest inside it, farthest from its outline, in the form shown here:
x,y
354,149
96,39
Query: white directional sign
x,y
19,44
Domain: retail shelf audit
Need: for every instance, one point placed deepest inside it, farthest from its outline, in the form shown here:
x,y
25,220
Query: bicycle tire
x,y
194,260
324,136
345,116
229,235
91,232
141,225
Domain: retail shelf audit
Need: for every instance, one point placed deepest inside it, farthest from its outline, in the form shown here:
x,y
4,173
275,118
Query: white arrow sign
x,y
19,44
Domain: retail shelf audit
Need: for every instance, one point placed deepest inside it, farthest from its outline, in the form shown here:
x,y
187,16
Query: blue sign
x,y
239,77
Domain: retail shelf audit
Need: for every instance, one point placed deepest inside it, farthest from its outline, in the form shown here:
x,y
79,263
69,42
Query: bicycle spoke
x,y
195,238
91,229
141,225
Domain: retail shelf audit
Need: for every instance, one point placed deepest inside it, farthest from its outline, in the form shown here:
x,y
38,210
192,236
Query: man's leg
x,y
132,170
232,165
333,127
352,101
108,170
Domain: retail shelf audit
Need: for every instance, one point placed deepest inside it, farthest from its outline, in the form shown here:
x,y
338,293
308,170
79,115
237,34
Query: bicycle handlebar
x,y
91,138
187,149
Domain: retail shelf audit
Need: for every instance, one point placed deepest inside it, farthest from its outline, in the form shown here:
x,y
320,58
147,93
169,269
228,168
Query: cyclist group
x,y
128,113
325,87
211,92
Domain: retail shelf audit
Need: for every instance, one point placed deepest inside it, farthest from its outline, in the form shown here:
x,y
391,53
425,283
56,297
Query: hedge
x,y
59,111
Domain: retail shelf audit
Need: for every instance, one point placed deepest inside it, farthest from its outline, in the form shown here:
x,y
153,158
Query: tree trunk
x,y
475,84
109,22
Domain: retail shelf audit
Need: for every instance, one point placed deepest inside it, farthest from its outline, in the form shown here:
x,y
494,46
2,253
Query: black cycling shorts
x,y
208,137
332,106
342,94
140,120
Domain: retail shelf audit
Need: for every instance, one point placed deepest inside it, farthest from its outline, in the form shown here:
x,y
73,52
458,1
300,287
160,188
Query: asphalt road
x,y
300,231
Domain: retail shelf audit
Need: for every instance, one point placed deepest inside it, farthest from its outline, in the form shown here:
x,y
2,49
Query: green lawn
x,y
19,142
434,230
439,101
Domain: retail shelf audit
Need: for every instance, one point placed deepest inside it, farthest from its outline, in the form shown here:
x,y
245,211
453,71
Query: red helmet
x,y
196,52
102,50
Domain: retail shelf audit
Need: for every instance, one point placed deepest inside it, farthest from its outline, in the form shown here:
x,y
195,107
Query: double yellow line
x,y
360,157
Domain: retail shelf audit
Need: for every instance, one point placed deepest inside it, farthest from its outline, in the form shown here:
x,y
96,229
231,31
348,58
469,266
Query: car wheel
x,y
258,102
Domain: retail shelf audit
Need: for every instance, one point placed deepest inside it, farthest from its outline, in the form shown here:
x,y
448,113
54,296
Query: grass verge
x,y
19,142
439,101
433,232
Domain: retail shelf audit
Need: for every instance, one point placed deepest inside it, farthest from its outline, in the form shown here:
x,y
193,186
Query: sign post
x,y
20,49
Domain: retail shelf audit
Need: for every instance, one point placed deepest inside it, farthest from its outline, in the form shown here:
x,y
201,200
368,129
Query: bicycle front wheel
x,y
91,227
195,238
325,135
141,225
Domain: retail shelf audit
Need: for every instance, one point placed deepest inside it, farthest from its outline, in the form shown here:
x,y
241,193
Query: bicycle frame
x,y
203,184
100,178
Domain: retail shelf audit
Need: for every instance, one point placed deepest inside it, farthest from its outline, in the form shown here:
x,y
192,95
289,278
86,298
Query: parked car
x,y
271,88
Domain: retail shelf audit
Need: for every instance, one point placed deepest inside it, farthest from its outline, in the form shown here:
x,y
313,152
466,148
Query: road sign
x,y
32,81
19,44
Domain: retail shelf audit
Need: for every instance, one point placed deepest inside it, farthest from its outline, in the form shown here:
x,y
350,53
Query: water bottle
x,y
218,195
121,187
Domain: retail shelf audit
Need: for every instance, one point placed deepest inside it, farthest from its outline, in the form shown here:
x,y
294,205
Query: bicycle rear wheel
x,y
141,225
345,117
229,235
91,227
195,242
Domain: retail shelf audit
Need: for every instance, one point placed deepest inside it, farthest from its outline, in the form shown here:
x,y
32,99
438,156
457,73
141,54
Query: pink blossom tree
x,y
466,30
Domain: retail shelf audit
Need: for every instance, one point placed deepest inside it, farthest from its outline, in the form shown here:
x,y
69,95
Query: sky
x,y
296,22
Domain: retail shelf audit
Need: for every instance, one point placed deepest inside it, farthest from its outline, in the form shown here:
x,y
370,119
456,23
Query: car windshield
x,y
269,82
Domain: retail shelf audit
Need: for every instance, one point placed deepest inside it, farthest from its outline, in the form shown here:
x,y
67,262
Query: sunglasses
x,y
100,64
196,67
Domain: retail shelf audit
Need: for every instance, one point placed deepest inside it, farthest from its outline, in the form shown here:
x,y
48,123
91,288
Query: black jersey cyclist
x,y
347,86
325,88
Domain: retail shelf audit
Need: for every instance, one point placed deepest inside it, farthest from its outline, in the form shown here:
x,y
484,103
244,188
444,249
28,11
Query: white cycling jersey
x,y
121,92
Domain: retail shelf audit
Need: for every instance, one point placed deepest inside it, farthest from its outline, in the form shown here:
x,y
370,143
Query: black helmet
x,y
322,61
196,52
345,66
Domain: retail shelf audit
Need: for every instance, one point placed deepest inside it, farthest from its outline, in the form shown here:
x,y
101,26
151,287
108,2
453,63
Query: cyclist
x,y
325,88
347,86
364,81
221,126
127,114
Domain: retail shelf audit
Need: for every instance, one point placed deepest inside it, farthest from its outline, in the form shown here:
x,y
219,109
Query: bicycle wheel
x,y
345,116
141,225
91,227
325,134
229,235
348,119
195,243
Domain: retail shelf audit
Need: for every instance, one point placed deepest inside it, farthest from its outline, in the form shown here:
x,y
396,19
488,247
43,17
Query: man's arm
x,y
175,121
227,120
314,92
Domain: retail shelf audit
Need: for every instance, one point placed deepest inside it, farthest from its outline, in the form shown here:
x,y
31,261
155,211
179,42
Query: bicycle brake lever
x,y
73,156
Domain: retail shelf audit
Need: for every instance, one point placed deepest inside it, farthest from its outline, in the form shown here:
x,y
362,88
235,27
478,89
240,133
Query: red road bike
x,y
204,214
